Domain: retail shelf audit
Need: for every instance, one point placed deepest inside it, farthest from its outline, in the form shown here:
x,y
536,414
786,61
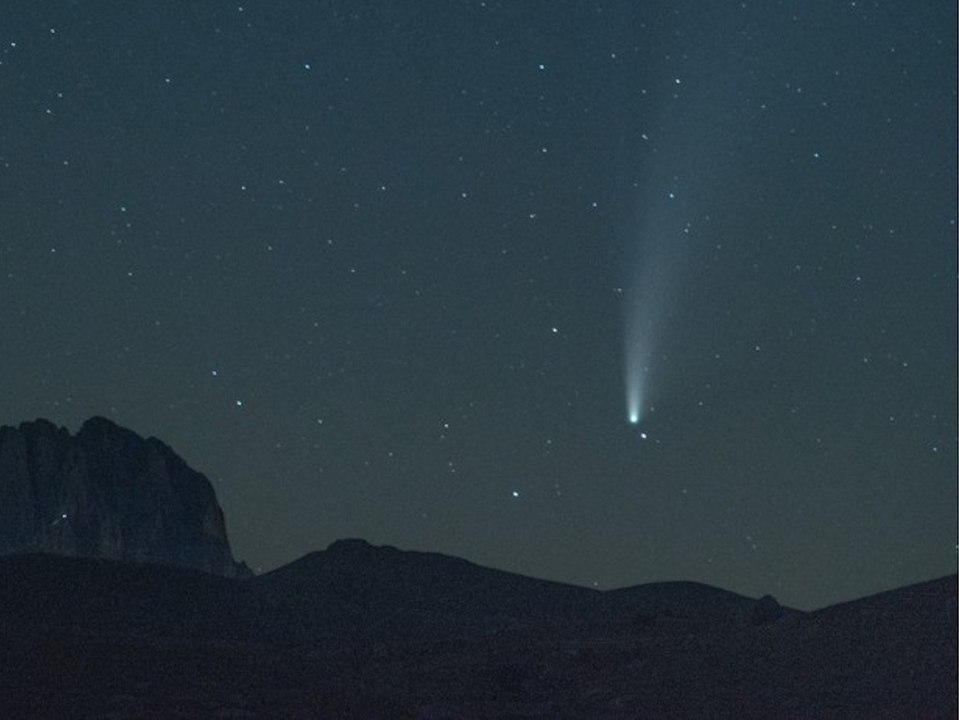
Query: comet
x,y
634,392
659,267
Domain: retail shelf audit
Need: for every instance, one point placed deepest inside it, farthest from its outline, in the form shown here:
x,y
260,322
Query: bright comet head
x,y
634,398
633,408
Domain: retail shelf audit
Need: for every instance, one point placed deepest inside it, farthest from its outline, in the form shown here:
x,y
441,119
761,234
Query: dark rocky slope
x,y
335,636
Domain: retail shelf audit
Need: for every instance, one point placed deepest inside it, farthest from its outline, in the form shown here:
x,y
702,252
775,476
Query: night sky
x,y
395,270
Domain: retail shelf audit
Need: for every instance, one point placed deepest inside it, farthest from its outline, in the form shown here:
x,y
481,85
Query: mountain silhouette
x,y
375,632
107,492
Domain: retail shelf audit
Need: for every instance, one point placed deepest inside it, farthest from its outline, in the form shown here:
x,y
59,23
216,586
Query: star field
x,y
369,267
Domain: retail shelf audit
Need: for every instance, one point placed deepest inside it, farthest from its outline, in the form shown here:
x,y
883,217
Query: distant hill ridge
x,y
351,591
108,493
377,579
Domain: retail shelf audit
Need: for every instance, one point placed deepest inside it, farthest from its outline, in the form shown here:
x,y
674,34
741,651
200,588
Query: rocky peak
x,y
107,492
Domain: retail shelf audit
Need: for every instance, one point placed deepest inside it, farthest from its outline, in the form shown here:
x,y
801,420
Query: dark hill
x,y
384,591
353,591
680,600
364,632
52,593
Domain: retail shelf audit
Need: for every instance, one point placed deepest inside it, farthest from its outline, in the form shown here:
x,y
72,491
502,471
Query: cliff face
x,y
106,492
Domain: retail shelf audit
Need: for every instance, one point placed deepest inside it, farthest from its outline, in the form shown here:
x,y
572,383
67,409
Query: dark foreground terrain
x,y
364,632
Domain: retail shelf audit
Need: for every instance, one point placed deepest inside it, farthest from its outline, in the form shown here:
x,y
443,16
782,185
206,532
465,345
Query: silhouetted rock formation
x,y
107,493
767,609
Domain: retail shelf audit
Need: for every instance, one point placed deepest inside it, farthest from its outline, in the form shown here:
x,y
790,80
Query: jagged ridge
x,y
108,493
